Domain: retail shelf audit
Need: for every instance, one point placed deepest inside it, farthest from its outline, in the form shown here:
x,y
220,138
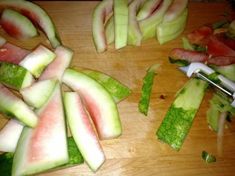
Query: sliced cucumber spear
x,y
179,117
100,104
147,89
38,93
15,107
120,23
148,25
15,76
37,60
17,25
113,86
169,30
82,130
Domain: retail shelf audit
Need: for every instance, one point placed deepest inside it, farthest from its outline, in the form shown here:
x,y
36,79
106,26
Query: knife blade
x,y
202,71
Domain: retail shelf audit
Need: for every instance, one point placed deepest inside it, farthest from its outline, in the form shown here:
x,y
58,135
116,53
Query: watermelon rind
x,y
13,106
38,93
44,147
15,76
2,41
20,22
37,60
82,130
99,103
37,15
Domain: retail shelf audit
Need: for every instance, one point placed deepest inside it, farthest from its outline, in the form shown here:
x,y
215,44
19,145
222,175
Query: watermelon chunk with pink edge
x,y
100,13
56,69
17,25
37,15
13,106
8,138
45,146
99,103
12,53
82,131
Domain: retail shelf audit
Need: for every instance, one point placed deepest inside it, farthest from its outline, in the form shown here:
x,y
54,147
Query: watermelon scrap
x,y
221,60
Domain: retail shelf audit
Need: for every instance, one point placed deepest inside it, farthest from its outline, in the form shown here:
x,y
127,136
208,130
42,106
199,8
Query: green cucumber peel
x,y
218,103
167,31
208,158
116,89
192,47
6,160
120,23
220,24
179,117
178,62
15,76
147,89
148,25
26,27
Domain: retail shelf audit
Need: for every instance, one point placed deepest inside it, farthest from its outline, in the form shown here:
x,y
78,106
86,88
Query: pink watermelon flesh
x,y
82,131
9,135
44,147
12,53
57,67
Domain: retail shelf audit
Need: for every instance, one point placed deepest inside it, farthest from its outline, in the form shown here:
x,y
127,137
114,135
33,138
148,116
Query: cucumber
x,y
15,76
82,131
9,135
37,15
17,25
56,68
11,105
44,147
120,23
100,104
37,60
38,93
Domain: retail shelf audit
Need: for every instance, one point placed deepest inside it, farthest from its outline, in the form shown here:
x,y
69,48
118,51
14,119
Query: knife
x,y
202,71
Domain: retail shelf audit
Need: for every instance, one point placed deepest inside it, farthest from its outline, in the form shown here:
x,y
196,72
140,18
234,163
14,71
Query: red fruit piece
x,y
12,54
200,36
190,56
217,48
222,60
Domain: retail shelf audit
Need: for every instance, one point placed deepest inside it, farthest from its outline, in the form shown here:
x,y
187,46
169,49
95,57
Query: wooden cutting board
x,y
137,151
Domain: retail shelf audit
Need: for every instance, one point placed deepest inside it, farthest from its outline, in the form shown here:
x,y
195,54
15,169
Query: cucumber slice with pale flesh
x,y
120,23
38,93
15,76
17,25
37,60
167,31
11,105
82,130
44,147
99,103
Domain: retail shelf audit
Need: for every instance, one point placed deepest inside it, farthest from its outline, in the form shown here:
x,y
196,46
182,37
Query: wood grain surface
x,y
137,151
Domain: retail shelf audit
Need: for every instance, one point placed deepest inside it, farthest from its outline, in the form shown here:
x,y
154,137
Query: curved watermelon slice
x,y
15,107
55,70
8,138
101,11
12,53
45,146
17,25
82,130
98,101
37,15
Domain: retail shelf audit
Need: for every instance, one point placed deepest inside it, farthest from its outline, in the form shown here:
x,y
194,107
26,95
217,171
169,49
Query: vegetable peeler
x,y
202,71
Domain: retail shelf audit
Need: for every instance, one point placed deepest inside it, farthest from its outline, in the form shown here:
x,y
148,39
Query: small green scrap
x,y
208,158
